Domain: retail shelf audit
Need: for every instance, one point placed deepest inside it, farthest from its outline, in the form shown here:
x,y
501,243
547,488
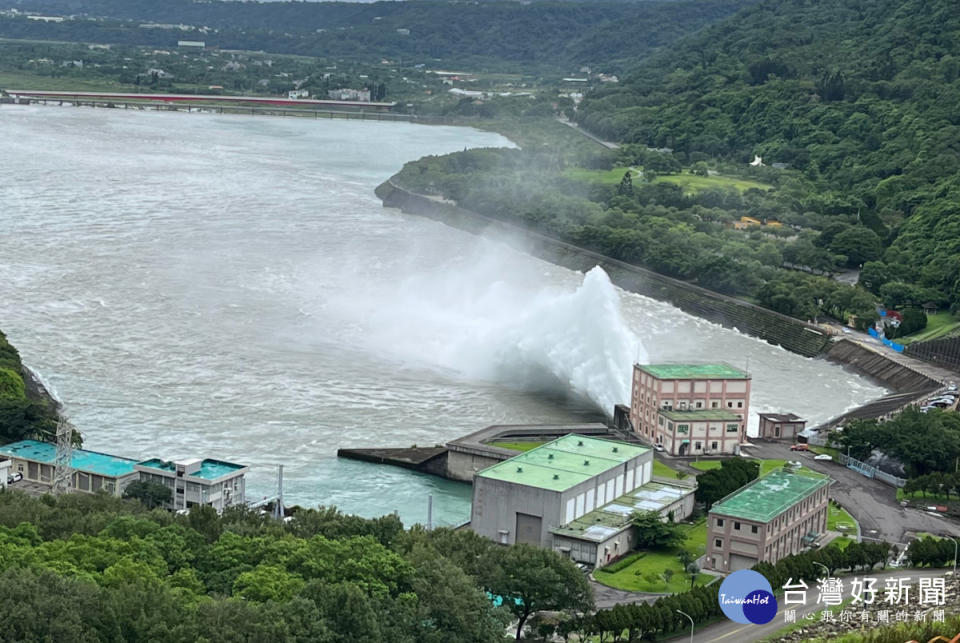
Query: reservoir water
x,y
230,287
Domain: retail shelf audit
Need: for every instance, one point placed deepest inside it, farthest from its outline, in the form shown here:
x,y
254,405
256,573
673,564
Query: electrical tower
x,y
63,469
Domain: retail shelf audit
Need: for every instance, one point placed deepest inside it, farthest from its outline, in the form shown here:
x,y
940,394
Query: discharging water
x,y
230,287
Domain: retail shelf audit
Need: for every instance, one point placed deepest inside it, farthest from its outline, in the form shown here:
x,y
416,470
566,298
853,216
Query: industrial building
x,y
192,482
198,482
781,426
92,471
672,405
574,495
776,515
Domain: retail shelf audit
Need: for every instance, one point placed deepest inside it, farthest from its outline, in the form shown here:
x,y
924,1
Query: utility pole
x,y
429,512
278,509
63,463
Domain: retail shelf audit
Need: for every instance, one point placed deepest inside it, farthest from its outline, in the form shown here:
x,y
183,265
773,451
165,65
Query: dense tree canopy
x,y
858,96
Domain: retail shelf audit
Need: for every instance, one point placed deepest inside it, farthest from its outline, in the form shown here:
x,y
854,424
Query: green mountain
x,y
498,35
860,95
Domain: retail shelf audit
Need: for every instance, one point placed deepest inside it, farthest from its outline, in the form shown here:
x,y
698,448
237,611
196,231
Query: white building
x,y
198,482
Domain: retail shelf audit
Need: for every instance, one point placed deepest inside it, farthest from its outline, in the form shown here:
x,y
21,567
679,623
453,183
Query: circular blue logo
x,y
746,597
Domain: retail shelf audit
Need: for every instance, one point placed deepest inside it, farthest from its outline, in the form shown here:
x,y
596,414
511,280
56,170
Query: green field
x,y
517,446
766,466
838,517
692,183
928,497
663,471
645,573
19,80
938,325
608,177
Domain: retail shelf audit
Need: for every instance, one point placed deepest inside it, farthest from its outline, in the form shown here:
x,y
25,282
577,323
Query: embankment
x,y
792,334
892,374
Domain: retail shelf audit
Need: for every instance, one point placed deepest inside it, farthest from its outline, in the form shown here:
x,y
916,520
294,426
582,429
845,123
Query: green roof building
x,y
543,496
691,409
776,515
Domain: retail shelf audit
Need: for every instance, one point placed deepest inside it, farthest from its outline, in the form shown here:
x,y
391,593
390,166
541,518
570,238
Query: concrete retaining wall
x,y
888,372
792,334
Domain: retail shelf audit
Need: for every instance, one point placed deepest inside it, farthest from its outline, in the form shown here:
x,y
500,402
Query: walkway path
x,y
606,144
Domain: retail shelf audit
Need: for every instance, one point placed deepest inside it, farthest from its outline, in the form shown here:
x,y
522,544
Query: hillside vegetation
x,y
860,96
22,414
490,35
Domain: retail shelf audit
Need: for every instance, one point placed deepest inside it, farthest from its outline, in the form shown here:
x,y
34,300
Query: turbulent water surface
x,y
230,287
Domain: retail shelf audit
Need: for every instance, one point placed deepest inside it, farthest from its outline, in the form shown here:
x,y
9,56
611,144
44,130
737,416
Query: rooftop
x,y
564,462
770,495
694,371
781,417
87,461
705,415
605,521
209,469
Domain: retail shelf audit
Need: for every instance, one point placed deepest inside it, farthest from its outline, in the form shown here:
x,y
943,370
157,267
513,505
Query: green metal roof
x,y
563,463
705,415
87,461
694,371
209,469
767,497
605,521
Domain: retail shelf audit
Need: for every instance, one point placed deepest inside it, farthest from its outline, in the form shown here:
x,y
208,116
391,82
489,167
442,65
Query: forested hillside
x,y
859,95
22,414
494,35
94,568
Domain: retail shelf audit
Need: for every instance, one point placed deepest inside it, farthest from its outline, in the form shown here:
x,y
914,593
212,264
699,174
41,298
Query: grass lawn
x,y
938,325
839,520
517,446
766,466
20,80
645,573
692,183
841,543
608,177
662,470
930,497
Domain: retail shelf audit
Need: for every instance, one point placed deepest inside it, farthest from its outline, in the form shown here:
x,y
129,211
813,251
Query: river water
x,y
230,287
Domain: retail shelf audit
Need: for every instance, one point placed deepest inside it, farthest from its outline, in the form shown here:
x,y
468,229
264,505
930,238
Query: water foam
x,y
482,319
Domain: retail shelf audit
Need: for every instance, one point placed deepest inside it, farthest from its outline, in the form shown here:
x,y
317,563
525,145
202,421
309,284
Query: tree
x,y
151,494
531,579
626,184
653,532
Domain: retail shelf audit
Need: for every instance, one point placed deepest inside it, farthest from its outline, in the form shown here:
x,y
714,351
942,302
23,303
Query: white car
x,y
823,456
14,477
658,447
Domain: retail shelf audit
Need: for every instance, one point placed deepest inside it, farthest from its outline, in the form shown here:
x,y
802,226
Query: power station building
x,y
776,515
198,482
192,482
691,409
574,495
92,471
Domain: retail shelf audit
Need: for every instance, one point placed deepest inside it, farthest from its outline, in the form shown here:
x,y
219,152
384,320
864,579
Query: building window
x,y
699,405
753,529
729,405
718,543
719,522
714,405
736,525
660,420
683,428
739,405
713,446
733,428
697,446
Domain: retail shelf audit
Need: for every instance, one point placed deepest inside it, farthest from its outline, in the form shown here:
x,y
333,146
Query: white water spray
x,y
484,320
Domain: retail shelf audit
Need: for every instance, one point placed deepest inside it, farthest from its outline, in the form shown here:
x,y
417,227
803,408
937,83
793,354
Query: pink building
x,y
691,409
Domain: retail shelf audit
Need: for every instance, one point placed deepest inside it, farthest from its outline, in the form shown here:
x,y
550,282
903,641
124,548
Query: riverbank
x,y
792,334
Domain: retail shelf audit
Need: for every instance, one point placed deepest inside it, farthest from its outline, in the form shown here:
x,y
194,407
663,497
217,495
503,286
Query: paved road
x,y
729,632
871,502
